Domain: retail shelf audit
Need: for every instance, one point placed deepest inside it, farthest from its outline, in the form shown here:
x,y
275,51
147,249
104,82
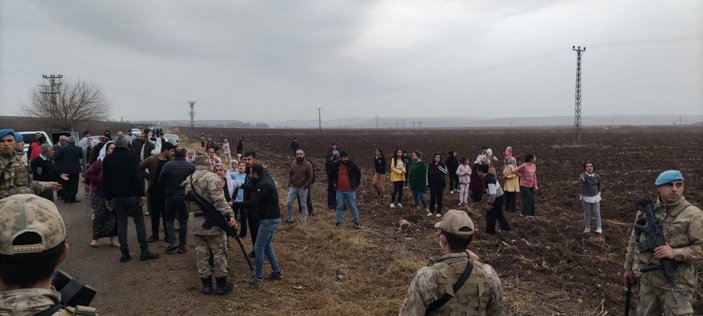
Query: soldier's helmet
x,y
29,213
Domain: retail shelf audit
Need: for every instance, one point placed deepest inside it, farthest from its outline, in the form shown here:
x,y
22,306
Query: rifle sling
x,y
7,166
456,287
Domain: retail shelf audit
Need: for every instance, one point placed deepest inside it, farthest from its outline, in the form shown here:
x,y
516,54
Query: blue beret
x,y
7,131
668,177
18,137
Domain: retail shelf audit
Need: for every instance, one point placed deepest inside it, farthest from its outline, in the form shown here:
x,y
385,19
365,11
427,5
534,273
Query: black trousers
x,y
47,194
126,207
157,201
253,225
496,214
175,208
511,201
453,180
397,190
70,187
331,198
436,197
241,217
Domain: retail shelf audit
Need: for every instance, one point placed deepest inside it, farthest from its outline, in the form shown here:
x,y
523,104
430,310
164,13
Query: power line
x,y
319,117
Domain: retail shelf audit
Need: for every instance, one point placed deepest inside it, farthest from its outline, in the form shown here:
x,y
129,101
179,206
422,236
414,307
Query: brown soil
x,y
546,265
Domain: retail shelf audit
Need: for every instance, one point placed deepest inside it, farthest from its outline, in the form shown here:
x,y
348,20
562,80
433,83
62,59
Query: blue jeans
x,y
262,246
348,197
419,196
302,195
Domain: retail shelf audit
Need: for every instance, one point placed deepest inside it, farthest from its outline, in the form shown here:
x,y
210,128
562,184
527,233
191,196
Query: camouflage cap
x,y
201,160
457,223
29,213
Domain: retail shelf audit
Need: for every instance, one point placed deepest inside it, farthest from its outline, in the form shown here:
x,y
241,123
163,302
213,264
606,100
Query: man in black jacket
x,y
124,189
43,169
142,146
172,175
345,178
264,205
68,160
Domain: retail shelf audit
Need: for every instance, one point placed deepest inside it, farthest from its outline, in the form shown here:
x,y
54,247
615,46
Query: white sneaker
x,y
461,203
599,231
438,215
429,213
451,192
400,205
393,205
587,231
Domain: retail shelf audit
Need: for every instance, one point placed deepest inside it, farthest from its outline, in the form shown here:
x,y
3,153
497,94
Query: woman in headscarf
x,y
190,155
512,184
104,220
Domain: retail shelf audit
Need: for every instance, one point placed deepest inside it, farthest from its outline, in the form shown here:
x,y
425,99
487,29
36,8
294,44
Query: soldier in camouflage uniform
x,y
481,294
16,177
209,241
32,244
682,225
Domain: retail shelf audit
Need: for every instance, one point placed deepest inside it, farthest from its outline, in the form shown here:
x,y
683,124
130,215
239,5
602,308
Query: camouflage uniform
x,y
30,213
480,295
208,184
18,178
682,224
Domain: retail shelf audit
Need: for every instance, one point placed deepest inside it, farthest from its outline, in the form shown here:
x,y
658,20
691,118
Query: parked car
x,y
172,138
56,135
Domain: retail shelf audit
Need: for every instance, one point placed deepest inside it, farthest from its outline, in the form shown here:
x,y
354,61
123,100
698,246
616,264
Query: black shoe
x,y
252,254
207,285
153,238
338,224
125,257
223,287
181,250
171,248
148,256
275,276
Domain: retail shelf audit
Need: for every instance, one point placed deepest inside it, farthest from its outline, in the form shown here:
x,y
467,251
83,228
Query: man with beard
x,y
152,166
43,169
346,177
299,181
682,226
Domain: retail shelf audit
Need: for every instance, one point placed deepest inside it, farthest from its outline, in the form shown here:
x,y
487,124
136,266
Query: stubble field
x,y
547,266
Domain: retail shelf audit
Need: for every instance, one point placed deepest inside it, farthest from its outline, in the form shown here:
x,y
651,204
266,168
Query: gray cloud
x,y
277,60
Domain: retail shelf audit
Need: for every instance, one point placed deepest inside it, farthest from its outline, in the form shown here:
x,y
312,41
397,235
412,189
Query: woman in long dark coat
x,y
104,220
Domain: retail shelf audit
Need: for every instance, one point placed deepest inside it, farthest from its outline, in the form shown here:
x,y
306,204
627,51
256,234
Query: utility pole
x,y
376,121
54,86
319,118
191,104
577,114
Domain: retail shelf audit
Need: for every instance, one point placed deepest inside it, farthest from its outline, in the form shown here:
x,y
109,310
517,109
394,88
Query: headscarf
x,y
511,161
103,151
227,178
188,153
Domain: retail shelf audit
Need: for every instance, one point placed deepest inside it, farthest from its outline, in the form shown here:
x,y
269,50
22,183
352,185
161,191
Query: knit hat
x,y
456,223
668,177
29,213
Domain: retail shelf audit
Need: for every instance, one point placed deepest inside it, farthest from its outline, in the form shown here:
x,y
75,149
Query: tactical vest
x,y
472,298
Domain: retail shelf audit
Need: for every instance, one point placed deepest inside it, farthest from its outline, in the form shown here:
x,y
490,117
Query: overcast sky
x,y
276,60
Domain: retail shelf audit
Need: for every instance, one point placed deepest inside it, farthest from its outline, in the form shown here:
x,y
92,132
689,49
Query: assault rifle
x,y
213,217
652,229
73,294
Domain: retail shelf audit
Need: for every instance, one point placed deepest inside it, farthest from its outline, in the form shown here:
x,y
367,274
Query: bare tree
x,y
75,102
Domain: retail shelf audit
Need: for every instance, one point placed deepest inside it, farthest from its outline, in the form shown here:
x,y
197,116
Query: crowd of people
x,y
245,195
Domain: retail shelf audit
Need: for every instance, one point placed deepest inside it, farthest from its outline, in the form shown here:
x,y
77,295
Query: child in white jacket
x,y
464,173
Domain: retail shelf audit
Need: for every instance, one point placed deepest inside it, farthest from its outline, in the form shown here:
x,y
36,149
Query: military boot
x,y
207,285
223,287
